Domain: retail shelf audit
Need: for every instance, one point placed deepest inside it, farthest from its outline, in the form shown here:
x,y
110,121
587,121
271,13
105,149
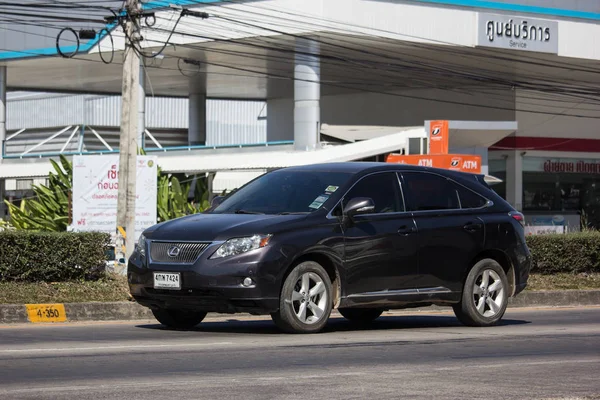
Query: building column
x,y
514,179
141,139
307,95
2,135
197,119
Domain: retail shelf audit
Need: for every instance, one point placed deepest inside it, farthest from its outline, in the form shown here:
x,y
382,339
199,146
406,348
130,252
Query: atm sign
x,y
455,162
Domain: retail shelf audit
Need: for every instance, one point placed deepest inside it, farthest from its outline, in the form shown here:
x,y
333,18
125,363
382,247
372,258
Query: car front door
x,y
450,232
380,247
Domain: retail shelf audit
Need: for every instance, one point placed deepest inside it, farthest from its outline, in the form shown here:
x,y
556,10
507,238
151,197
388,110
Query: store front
x,y
568,186
563,192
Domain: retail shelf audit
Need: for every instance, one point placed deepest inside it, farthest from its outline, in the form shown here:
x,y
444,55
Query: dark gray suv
x,y
359,237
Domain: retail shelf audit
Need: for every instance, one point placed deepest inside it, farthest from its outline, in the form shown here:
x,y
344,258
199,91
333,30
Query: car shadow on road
x,y
336,324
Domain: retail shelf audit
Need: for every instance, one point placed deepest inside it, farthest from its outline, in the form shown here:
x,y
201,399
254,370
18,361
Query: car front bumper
x,y
212,285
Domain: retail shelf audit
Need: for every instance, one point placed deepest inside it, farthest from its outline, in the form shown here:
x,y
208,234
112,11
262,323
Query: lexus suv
x,y
358,237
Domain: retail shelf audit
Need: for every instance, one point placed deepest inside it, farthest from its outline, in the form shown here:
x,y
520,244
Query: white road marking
x,y
145,346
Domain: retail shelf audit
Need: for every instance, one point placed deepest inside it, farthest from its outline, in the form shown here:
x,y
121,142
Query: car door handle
x,y
473,226
407,230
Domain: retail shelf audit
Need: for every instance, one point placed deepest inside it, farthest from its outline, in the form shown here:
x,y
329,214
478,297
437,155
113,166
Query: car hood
x,y
214,227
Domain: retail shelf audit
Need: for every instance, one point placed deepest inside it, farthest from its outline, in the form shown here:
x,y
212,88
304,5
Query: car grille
x,y
166,252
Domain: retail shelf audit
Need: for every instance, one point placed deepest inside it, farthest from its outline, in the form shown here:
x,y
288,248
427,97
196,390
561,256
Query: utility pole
x,y
128,142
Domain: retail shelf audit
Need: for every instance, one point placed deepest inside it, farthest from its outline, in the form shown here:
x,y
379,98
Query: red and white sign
x,y
581,167
561,165
95,193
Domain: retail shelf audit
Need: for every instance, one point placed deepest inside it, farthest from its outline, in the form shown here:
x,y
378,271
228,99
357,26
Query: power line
x,y
353,84
288,50
512,84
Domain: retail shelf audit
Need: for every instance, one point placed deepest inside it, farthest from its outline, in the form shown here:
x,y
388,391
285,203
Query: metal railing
x,y
26,149
220,146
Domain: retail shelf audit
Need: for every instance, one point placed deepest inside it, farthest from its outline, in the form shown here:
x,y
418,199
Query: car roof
x,y
362,167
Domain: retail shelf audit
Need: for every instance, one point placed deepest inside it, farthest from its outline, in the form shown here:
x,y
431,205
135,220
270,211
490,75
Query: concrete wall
x,y
377,109
388,110
280,119
539,125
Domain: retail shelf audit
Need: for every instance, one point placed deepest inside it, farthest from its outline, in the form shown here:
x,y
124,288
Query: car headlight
x,y
241,245
141,245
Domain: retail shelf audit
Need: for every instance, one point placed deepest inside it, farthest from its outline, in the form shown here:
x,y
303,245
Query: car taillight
x,y
518,216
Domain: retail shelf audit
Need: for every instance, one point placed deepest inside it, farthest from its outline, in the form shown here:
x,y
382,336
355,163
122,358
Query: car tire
x,y
360,315
485,295
305,301
178,319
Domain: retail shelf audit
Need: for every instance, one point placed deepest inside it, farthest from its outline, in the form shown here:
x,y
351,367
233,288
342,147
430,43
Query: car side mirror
x,y
216,201
359,205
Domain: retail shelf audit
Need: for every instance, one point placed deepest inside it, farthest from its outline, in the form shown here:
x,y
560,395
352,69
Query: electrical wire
x,y
53,17
112,43
58,43
326,24
207,49
258,72
352,84
511,83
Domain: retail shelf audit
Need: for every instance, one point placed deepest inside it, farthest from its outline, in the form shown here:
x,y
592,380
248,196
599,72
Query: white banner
x,y
95,193
544,230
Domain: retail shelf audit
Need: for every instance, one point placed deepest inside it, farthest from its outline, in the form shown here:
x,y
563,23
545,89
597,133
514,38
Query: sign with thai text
x,y
95,193
561,165
515,33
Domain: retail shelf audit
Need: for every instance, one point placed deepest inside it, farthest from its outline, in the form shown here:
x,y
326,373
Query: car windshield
x,y
284,192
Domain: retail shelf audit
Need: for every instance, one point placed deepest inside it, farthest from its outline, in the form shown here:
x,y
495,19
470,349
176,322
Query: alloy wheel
x,y
488,293
309,298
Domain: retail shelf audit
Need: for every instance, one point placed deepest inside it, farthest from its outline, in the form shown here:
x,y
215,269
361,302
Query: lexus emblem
x,y
173,251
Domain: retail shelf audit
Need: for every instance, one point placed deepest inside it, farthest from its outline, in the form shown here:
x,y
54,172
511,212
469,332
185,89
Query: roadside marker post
x,y
39,313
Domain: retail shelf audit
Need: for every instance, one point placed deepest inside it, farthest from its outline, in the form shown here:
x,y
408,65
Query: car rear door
x,y
381,247
450,232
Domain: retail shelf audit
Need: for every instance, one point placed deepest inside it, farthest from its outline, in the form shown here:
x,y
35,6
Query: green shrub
x,y
569,253
52,256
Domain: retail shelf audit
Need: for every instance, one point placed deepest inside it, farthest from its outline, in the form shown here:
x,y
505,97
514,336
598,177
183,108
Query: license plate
x,y
166,280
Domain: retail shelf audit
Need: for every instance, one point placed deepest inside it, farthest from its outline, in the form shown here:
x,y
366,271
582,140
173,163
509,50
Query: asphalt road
x,y
534,354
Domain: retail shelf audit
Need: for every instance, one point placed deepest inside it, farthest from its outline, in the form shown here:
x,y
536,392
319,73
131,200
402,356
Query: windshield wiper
x,y
294,213
247,212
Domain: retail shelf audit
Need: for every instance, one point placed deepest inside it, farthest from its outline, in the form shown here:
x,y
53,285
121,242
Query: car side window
x,y
430,192
468,198
383,188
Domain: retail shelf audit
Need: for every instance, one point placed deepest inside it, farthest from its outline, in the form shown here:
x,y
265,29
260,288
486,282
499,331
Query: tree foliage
x,y
49,210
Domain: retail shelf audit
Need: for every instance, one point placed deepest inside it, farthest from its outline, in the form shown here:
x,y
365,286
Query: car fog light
x,y
247,282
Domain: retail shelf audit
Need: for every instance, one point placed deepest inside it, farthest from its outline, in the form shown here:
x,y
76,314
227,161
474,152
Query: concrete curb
x,y
121,311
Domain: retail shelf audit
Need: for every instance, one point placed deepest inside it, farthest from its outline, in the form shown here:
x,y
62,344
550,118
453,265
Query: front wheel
x,y
178,319
485,295
305,302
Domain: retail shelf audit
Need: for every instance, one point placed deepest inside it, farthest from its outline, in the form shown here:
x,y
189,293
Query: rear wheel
x,y
305,302
178,319
361,315
485,295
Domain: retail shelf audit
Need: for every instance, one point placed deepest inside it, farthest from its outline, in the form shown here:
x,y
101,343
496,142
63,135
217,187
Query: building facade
x,y
390,64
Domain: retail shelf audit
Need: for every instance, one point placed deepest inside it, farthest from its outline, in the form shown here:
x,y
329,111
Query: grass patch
x,y
112,288
563,281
